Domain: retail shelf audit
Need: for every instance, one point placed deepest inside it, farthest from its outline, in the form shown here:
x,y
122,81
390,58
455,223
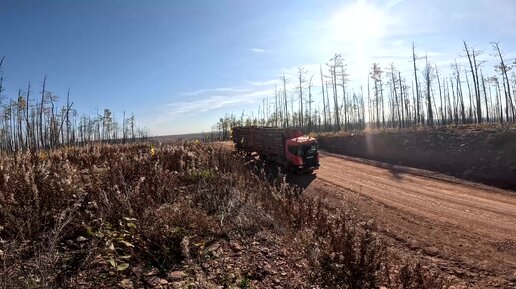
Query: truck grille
x,y
310,162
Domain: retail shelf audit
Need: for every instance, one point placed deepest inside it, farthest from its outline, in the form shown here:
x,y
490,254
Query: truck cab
x,y
302,154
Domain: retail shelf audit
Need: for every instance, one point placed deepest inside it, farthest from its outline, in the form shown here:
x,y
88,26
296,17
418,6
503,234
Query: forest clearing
x,y
87,201
338,144
198,216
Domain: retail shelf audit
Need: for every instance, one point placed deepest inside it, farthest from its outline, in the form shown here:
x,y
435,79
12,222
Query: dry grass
x,y
102,215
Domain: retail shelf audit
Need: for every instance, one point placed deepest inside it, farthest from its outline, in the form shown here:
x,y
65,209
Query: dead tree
x,y
485,94
503,69
284,79
376,75
474,72
395,94
323,99
344,76
333,65
310,101
42,106
418,115
301,81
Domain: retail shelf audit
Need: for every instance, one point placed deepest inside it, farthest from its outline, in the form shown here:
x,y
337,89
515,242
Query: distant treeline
x,y
391,100
36,120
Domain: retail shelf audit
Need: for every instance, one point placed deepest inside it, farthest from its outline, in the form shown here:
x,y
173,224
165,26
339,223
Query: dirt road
x,y
466,230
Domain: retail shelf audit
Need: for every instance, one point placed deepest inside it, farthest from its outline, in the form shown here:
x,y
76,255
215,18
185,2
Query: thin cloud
x,y
262,83
218,101
393,3
260,50
214,90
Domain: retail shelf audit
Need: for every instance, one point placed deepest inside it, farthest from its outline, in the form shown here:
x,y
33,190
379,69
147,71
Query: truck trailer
x,y
288,148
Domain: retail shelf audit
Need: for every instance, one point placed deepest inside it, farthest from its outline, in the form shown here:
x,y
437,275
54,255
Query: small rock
x,y
216,254
1,253
126,284
152,281
176,275
185,248
213,247
163,282
232,277
151,272
81,239
235,246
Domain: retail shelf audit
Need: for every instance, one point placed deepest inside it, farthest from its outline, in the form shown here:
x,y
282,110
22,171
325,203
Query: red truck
x,y
289,148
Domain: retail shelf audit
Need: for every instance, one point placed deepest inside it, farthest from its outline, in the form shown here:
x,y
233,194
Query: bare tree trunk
x,y
499,98
485,95
417,86
333,72
285,99
505,79
475,79
470,115
428,79
27,123
477,84
394,82
369,108
68,117
403,101
42,140
323,99
344,102
302,81
440,93
310,123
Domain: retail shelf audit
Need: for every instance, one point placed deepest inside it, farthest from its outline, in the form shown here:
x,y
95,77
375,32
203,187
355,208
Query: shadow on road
x,y
302,181
394,172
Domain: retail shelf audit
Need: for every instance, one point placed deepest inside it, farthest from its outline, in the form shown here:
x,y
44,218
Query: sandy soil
x,y
466,230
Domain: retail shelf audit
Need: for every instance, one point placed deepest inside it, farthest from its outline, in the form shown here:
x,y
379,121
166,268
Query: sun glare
x,y
358,23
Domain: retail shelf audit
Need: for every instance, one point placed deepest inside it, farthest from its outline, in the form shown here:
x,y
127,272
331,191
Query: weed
x,y
99,214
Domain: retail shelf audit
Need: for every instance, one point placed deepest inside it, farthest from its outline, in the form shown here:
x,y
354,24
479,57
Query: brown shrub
x,y
104,209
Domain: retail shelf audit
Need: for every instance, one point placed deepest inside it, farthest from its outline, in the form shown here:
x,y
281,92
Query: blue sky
x,y
179,65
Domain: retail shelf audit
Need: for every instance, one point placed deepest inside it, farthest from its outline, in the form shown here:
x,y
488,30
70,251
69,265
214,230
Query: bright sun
x,y
358,23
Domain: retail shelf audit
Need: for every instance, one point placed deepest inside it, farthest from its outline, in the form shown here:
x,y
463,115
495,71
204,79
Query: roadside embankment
x,y
480,154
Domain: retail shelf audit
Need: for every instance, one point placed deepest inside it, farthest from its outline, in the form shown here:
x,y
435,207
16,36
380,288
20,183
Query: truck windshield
x,y
304,150
307,150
